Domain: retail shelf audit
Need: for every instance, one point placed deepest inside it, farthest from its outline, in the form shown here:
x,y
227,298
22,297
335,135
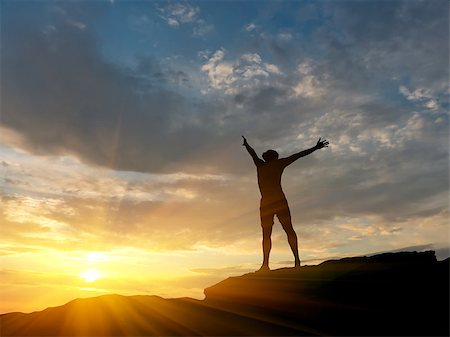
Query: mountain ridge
x,y
402,293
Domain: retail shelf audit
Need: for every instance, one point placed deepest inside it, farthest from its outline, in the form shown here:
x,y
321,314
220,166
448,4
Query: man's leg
x,y
267,225
284,217
267,246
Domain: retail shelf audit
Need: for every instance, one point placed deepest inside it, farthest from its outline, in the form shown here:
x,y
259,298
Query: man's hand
x,y
245,141
321,144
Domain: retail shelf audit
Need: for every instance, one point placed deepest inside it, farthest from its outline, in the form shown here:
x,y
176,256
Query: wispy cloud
x,y
250,27
284,36
78,24
422,96
180,14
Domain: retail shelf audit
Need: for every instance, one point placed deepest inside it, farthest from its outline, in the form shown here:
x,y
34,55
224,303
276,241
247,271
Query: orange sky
x,y
58,244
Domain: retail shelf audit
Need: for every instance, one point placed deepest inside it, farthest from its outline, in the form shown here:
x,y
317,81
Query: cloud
x,y
116,117
234,76
79,200
420,95
309,84
203,28
183,13
172,22
106,115
77,24
220,74
383,48
250,27
285,36
180,14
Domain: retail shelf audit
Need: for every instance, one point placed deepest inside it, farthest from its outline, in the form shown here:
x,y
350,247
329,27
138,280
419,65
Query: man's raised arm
x,y
320,144
258,161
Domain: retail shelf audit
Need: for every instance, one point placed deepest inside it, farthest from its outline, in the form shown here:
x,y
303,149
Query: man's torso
x,y
269,180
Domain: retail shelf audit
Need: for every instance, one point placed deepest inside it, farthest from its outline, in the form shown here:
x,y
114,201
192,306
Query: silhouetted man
x,y
273,200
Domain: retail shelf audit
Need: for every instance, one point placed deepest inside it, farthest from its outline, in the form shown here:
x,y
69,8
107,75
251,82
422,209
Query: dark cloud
x,y
63,97
390,39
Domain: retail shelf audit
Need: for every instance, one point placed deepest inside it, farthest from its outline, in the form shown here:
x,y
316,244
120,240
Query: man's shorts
x,y
269,208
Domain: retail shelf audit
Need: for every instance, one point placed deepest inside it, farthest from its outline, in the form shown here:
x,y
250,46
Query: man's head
x,y
270,155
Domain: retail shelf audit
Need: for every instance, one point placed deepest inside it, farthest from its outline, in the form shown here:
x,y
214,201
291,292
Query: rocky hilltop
x,y
388,294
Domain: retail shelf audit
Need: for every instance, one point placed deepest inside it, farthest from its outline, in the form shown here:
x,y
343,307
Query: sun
x,y
90,275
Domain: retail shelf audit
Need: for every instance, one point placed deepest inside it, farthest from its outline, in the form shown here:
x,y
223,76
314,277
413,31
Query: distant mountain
x,y
403,293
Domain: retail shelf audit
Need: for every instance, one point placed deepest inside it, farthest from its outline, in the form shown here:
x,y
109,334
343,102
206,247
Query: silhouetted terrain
x,y
387,294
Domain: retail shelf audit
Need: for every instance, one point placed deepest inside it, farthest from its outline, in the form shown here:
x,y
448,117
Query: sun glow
x,y
90,275
96,257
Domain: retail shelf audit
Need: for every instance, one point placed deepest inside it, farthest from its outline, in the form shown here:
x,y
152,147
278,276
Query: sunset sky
x,y
121,161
